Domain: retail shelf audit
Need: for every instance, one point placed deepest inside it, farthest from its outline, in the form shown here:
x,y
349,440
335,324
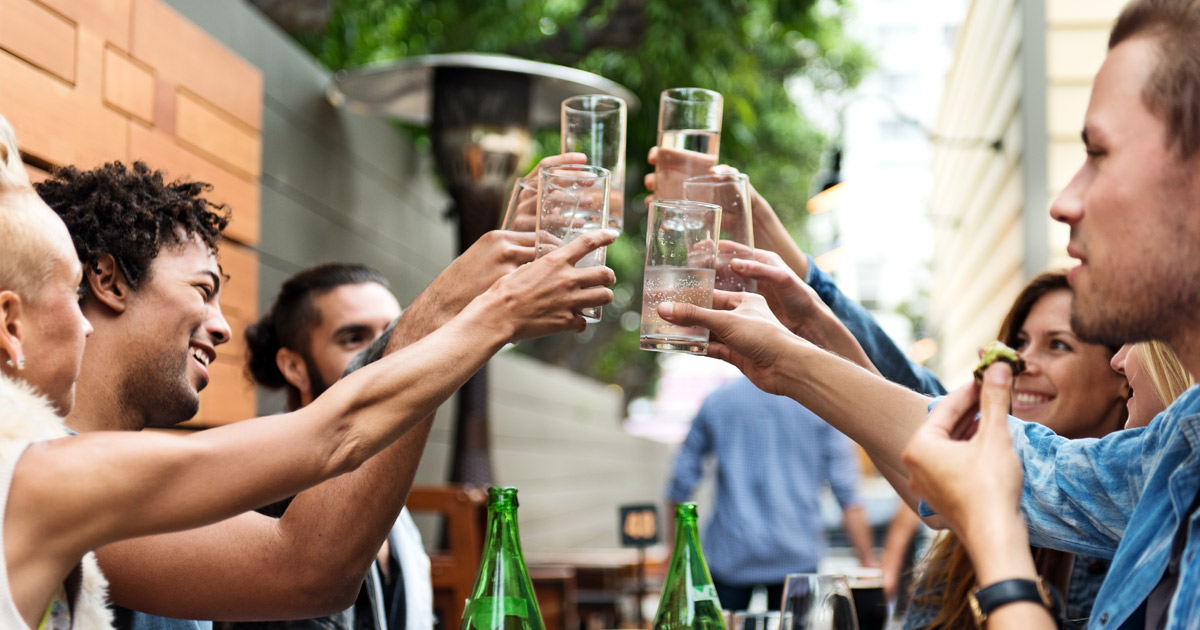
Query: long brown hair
x,y
948,575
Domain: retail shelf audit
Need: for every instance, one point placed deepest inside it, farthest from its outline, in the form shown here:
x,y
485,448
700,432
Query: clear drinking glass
x,y
817,602
572,201
521,215
731,191
595,126
681,259
689,136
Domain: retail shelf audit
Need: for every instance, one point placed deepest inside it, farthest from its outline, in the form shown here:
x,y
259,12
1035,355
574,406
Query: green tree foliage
x,y
749,50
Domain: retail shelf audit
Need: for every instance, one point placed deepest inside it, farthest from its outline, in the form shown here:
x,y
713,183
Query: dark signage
x,y
639,525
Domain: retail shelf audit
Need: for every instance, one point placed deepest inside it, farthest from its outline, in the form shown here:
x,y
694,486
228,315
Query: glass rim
x,y
612,104
716,179
688,94
686,203
592,172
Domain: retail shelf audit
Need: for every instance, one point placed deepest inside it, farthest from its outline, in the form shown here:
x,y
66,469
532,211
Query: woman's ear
x,y
11,330
107,284
294,369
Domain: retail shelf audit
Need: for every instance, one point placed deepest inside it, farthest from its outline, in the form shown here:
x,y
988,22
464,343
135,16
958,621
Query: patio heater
x,y
480,110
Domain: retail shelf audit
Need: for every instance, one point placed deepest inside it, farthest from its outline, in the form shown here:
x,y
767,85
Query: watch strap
x,y
984,600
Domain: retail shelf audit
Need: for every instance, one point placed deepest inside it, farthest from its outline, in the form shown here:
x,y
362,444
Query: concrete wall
x,y
340,186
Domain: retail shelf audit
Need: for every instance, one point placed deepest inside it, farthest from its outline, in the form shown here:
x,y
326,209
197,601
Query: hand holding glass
x,y
594,125
681,257
689,136
572,201
521,215
731,191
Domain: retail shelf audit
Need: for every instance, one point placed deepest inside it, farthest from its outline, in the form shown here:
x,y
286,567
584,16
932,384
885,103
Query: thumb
x,y
995,399
759,271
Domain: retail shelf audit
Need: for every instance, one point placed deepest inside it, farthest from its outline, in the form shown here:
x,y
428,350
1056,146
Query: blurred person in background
x,y
1156,379
773,458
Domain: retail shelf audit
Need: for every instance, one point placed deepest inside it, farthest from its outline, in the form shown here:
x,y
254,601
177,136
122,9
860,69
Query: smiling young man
x,y
1134,213
151,290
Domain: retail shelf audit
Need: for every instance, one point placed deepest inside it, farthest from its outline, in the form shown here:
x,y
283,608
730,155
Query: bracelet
x,y
987,599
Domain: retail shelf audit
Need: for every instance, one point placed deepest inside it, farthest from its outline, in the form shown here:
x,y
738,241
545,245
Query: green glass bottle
x,y
503,597
689,599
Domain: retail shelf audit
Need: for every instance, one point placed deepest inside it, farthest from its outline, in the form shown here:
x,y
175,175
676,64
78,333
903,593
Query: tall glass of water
x,y
681,259
521,215
572,201
689,136
817,602
595,126
731,191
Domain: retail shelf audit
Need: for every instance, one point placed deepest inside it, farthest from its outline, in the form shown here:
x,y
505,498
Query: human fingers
x,y
723,169
598,276
759,271
561,158
652,157
995,400
727,300
583,245
650,181
949,413
591,296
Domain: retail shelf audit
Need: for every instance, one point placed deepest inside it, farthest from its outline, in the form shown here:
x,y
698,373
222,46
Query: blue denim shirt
x,y
1121,496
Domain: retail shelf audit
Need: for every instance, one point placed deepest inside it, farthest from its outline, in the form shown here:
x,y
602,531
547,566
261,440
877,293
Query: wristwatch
x,y
984,600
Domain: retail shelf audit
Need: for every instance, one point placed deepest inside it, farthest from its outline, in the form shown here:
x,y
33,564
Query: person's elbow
x,y
327,591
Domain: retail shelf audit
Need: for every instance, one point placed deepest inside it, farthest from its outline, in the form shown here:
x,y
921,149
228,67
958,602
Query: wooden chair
x,y
464,513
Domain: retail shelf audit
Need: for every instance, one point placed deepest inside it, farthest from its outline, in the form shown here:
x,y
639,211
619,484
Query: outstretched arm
x,y
879,415
311,561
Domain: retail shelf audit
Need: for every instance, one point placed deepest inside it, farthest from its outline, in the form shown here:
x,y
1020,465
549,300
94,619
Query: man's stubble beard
x,y
161,392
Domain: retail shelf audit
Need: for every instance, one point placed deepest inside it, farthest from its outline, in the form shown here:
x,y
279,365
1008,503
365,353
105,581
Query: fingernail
x,y
737,263
999,375
614,231
666,309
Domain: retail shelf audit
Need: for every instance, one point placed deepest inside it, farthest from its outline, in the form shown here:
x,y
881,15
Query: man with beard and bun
x,y
322,317
1133,209
151,291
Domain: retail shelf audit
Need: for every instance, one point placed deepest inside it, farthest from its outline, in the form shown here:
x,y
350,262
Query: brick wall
x,y
86,82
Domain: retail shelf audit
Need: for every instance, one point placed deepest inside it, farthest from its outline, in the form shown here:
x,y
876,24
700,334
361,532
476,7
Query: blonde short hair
x,y
1168,375
27,261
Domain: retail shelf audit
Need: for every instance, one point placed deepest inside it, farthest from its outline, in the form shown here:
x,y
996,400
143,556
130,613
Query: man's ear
x,y
11,326
294,369
107,284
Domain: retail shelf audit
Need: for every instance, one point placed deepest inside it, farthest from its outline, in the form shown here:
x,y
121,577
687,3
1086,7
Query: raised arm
x,y
877,414
311,561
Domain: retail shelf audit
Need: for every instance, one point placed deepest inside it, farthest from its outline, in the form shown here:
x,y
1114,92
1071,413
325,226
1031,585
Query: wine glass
x,y
817,602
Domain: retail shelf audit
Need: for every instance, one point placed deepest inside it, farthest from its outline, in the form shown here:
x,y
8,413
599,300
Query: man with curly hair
x,y
151,290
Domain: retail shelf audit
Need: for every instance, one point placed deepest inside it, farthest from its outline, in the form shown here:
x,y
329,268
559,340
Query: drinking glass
x,y
572,201
681,258
521,215
817,602
689,135
595,126
870,604
743,620
731,191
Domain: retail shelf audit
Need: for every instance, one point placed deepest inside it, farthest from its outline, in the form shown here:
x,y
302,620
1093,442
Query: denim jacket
x,y
1121,496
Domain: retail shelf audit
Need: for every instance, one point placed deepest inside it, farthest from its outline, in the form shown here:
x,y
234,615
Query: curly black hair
x,y
130,214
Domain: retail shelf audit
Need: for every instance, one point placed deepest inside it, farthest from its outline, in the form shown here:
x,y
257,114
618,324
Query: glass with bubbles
x,y
572,201
594,125
681,258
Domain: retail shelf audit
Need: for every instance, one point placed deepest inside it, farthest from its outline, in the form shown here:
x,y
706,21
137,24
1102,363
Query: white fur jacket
x,y
27,417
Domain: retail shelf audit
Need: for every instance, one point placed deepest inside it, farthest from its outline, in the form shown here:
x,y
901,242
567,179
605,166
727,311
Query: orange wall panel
x,y
190,57
40,36
128,85
109,18
238,193
228,398
239,295
221,138
54,121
